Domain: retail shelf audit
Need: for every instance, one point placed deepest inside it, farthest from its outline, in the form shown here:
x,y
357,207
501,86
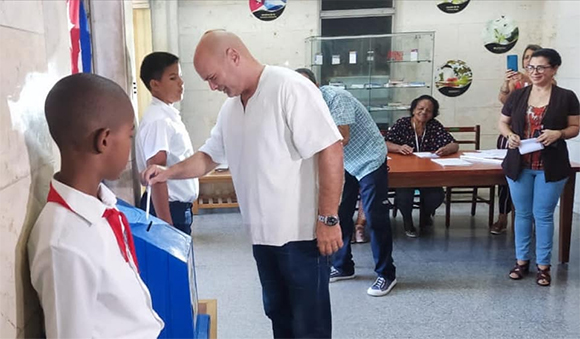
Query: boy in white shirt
x,y
81,251
163,140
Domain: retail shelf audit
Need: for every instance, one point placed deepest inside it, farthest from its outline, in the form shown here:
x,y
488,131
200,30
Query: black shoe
x,y
427,220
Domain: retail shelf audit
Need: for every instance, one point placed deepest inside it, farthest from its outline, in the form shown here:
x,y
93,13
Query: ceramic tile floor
x,y
451,284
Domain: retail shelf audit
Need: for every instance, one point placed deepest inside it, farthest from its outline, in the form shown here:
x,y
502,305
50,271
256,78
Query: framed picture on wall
x,y
452,6
267,10
500,35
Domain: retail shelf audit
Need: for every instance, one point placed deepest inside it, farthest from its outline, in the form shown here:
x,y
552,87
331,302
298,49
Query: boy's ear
x,y
101,140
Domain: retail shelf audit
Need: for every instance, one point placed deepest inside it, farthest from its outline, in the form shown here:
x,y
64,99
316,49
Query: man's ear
x,y
102,141
233,55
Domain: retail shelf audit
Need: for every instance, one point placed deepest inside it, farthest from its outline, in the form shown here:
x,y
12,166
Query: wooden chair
x,y
474,140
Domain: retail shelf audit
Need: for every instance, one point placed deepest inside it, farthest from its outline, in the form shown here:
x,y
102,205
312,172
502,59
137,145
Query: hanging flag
x,y
80,38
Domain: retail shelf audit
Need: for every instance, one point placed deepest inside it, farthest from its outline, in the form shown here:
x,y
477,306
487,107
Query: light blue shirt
x,y
366,149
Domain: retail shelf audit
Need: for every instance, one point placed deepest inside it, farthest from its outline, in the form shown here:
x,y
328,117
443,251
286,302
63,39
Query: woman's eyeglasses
x,y
540,69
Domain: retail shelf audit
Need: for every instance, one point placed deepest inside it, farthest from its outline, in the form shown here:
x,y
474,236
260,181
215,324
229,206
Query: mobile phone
x,y
512,62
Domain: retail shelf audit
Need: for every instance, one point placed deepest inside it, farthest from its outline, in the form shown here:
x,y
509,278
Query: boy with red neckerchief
x,y
81,251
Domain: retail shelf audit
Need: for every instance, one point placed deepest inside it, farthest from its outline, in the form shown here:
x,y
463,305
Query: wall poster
x,y
500,35
453,78
267,10
452,6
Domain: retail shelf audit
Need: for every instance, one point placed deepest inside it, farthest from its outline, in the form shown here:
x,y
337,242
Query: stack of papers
x,y
493,156
425,155
451,162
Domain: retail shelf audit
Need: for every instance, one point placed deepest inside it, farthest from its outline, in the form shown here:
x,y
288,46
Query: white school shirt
x,y
271,148
161,129
85,286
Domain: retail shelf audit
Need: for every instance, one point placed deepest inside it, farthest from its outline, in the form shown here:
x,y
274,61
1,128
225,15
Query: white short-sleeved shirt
x,y
161,129
271,148
86,288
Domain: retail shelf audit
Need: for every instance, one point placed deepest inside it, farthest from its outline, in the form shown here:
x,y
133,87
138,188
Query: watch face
x,y
331,221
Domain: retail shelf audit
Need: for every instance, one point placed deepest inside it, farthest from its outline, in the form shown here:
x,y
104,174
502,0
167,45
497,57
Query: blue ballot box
x,y
166,265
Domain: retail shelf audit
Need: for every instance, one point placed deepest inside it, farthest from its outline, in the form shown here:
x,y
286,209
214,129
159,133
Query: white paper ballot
x,y
530,145
352,57
451,162
425,155
336,59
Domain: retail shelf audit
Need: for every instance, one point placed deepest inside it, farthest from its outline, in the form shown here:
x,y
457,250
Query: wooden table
x,y
217,198
412,171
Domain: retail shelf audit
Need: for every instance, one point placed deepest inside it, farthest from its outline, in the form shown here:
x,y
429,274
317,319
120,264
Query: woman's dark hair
x,y
553,57
309,74
435,103
532,48
154,65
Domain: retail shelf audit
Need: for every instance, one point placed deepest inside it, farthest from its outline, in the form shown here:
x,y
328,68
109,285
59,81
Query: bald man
x,y
82,259
285,155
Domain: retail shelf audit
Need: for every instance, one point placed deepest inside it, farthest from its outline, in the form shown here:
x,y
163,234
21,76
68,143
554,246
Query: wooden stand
x,y
209,307
211,195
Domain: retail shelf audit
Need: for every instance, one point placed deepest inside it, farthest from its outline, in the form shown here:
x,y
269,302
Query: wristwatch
x,y
330,220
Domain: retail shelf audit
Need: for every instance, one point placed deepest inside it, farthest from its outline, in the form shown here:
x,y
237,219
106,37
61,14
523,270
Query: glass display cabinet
x,y
385,72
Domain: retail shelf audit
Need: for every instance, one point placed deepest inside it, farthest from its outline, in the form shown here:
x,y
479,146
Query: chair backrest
x,y
474,140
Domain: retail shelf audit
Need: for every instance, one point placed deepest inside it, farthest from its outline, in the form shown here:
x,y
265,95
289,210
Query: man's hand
x,y
549,136
154,174
329,238
405,149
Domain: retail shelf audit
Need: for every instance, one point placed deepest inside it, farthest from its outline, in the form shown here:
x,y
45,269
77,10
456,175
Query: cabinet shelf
x,y
366,67
383,87
389,109
387,62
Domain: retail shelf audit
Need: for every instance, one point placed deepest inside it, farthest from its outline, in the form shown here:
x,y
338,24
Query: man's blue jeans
x,y
374,189
295,291
534,200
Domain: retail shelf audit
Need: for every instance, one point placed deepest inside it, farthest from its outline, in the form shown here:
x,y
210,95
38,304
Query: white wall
x,y
458,36
34,55
561,31
278,42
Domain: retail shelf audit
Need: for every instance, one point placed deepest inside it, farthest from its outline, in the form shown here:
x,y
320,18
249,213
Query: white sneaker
x,y
381,287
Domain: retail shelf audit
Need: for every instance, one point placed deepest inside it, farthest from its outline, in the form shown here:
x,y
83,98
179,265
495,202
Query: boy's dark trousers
x,y
180,213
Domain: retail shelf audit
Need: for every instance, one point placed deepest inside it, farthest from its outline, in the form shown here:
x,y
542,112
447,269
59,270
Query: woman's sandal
x,y
543,277
520,271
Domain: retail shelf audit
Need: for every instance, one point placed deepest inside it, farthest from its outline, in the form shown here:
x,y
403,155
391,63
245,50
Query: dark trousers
x,y
505,200
373,191
295,291
431,199
180,213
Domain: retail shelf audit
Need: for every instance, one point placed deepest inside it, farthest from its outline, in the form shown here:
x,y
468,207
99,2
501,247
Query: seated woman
x,y
420,132
536,180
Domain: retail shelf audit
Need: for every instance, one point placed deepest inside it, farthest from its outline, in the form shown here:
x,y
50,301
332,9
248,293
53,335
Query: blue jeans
x,y
534,200
374,188
295,291
180,213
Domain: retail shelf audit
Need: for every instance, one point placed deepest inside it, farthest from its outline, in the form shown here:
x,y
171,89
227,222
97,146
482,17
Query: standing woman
x,y
536,180
513,80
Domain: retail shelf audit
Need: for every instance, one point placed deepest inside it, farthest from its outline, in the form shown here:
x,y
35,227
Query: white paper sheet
x,y
336,59
318,59
481,159
425,155
352,57
494,153
530,145
451,162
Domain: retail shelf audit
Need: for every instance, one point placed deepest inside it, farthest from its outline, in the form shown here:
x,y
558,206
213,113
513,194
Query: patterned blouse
x,y
435,136
533,129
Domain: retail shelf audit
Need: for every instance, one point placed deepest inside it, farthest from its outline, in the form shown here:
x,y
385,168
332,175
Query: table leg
x,y
566,210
